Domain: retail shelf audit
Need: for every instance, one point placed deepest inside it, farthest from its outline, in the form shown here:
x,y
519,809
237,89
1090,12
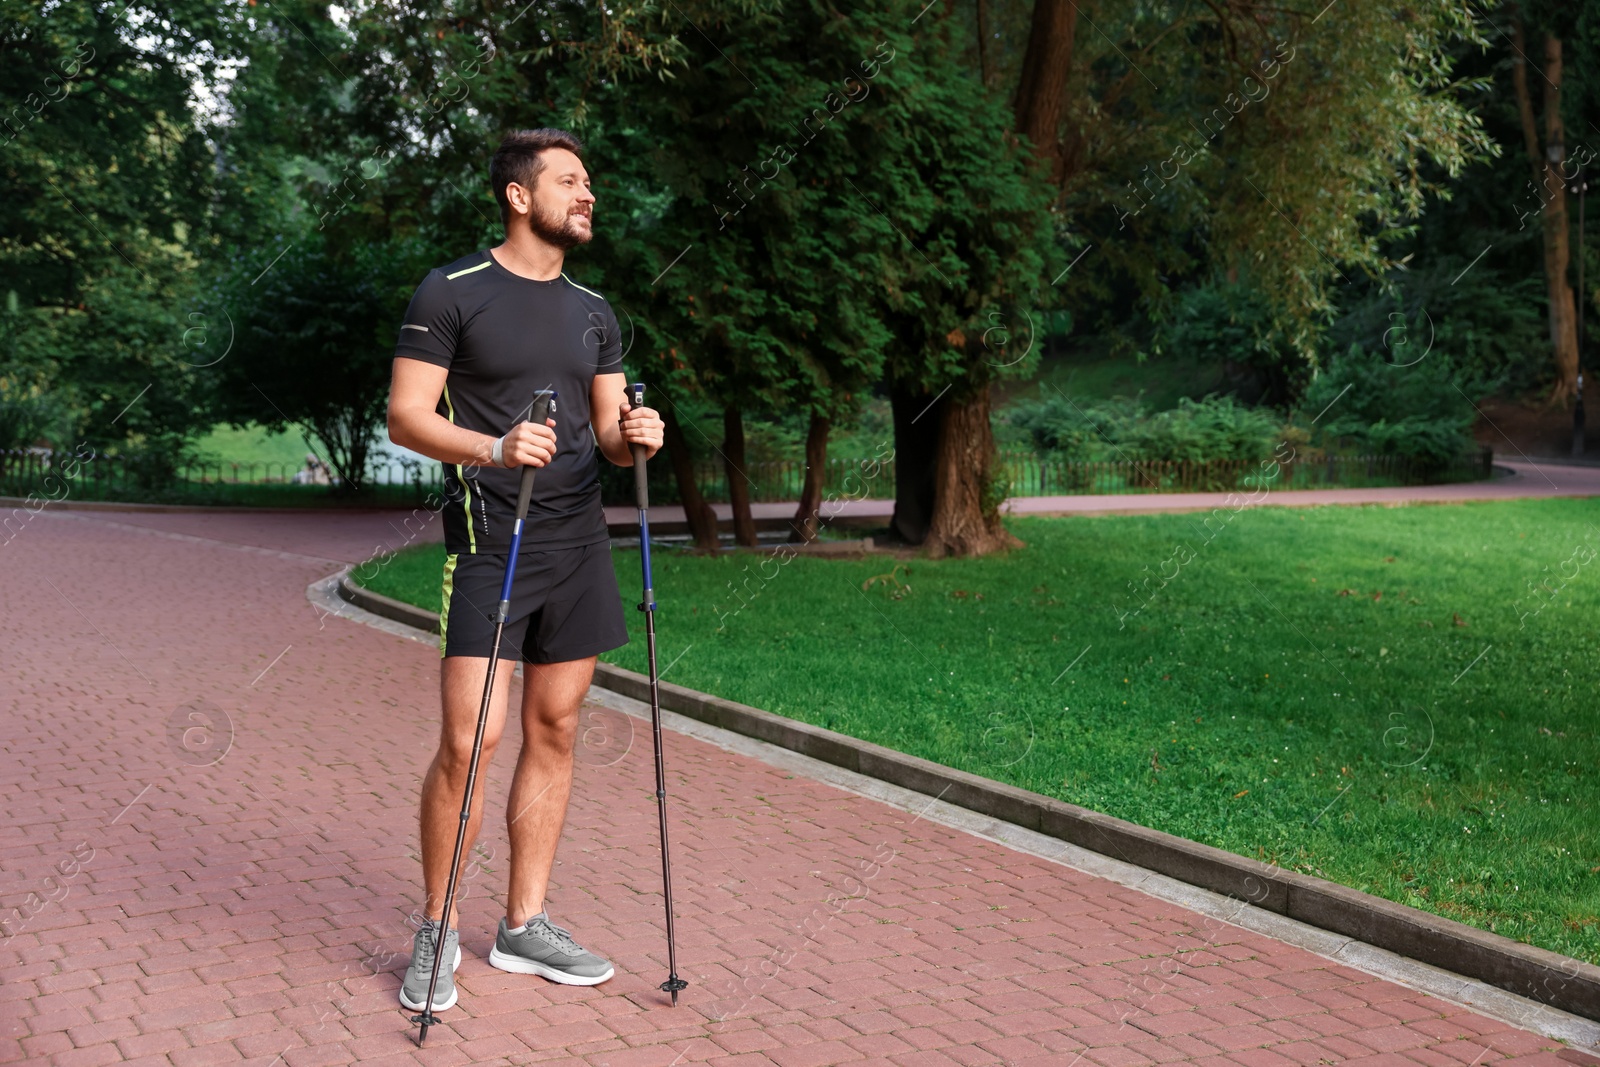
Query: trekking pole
x,y
641,488
544,405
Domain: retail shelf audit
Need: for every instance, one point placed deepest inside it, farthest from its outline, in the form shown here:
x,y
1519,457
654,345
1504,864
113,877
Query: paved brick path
x,y
253,910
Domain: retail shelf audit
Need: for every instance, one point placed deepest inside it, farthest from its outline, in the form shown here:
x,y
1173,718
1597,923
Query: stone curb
x,y
1536,973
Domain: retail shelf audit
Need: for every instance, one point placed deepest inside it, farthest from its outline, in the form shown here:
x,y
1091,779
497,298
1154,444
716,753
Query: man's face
x,y
562,209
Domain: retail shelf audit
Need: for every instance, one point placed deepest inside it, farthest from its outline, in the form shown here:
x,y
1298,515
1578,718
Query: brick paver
x,y
254,910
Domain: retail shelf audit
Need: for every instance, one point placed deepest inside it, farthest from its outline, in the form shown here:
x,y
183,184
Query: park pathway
x,y
210,792
1515,479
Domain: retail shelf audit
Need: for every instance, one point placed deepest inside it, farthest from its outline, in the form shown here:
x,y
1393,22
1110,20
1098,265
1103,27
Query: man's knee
x,y
556,733
455,753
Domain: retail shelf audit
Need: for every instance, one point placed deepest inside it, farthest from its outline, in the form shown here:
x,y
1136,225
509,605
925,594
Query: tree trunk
x,y
983,43
744,525
916,450
965,521
701,519
1045,66
804,523
1519,82
359,447
1563,312
344,439
1550,186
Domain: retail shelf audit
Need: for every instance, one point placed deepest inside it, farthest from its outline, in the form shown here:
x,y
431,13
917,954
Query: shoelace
x,y
563,937
422,947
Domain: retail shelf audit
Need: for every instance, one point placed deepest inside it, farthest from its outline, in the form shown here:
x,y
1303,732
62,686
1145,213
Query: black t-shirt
x,y
502,338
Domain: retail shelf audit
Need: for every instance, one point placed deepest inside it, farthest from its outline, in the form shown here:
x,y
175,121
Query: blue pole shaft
x,y
511,569
644,559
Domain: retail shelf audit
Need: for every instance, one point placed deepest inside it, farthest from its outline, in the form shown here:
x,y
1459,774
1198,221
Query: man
x,y
480,338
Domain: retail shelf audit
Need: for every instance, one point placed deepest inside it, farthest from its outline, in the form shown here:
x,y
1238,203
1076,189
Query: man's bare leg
x,y
461,693
537,810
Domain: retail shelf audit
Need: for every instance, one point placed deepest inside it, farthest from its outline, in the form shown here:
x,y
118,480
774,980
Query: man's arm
x,y
643,426
415,423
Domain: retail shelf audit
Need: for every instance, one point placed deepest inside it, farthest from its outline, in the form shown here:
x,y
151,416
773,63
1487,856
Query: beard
x,y
560,228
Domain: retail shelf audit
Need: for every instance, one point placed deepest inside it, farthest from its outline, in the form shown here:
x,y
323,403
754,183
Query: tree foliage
x,y
106,217
798,204
1283,149
314,342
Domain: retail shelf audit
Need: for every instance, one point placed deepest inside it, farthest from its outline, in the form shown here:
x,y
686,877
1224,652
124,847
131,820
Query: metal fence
x,y
41,473
38,472
779,481
1030,474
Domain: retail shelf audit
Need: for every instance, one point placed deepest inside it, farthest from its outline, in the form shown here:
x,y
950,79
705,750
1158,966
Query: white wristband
x,y
499,458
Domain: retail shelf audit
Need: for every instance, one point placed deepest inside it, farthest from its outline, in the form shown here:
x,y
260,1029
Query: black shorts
x,y
564,605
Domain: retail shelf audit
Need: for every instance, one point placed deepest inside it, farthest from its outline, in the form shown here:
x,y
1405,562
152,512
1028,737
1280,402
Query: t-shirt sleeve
x,y
609,358
432,323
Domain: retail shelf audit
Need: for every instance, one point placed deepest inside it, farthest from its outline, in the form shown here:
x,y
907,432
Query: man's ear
x,y
520,198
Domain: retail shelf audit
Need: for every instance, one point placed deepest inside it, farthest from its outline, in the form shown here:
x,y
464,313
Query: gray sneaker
x,y
545,949
414,990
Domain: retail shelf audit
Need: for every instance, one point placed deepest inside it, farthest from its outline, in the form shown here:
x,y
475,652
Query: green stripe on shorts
x,y
444,610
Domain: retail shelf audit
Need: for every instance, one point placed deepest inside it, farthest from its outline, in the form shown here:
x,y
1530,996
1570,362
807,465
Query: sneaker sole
x,y
454,994
522,965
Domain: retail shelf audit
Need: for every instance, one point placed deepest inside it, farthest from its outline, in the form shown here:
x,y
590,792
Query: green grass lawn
x,y
1352,692
253,445
1161,379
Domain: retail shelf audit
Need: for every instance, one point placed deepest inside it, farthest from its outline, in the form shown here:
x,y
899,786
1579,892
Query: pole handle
x,y
544,405
641,479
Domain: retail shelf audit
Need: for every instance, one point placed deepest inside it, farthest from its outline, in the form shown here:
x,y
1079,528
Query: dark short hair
x,y
520,158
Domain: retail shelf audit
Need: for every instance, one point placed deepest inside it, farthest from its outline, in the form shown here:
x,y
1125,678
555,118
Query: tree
x,y
834,202
1042,79
726,175
362,144
968,243
107,180
1259,143
377,131
315,341
754,315
1550,176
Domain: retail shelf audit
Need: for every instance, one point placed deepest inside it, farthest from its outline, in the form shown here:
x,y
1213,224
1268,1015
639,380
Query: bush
x,y
152,461
1391,410
1202,430
1069,429
1196,430
1487,327
1231,325
29,415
